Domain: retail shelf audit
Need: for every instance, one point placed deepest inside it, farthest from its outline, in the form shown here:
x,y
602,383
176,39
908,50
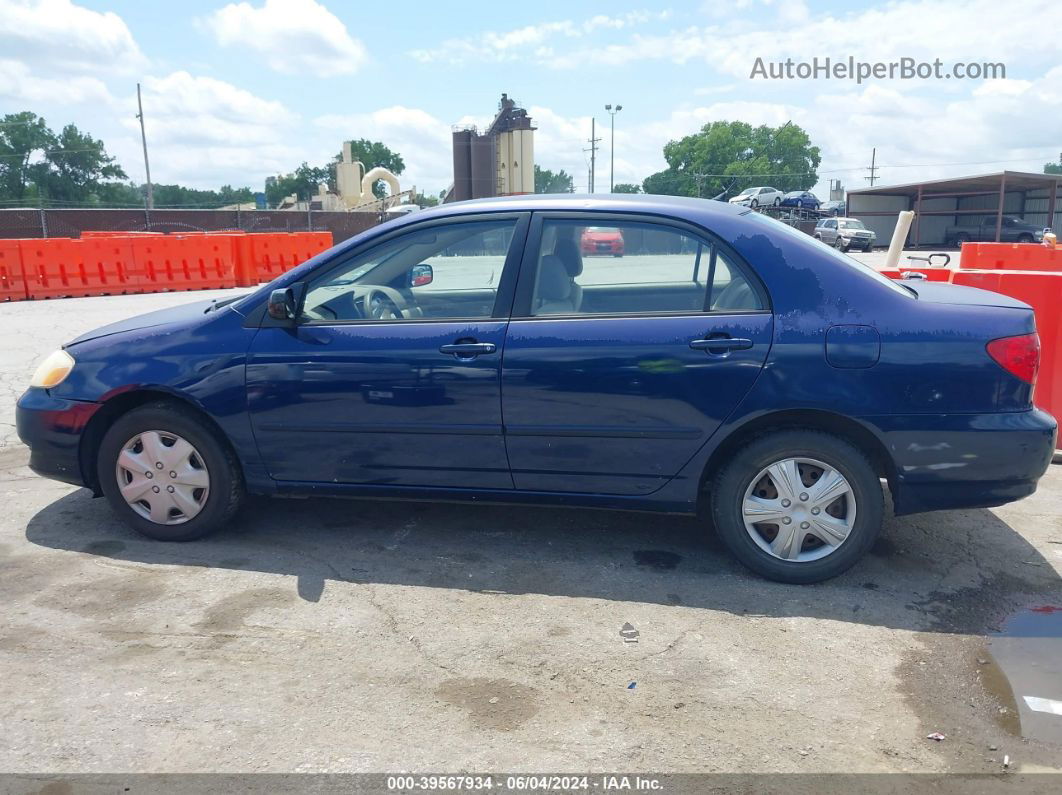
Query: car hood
x,y
944,293
186,313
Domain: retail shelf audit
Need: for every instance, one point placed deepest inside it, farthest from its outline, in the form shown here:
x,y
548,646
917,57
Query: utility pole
x,y
612,148
143,138
593,151
873,168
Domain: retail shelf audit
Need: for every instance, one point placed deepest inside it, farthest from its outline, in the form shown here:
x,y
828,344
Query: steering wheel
x,y
385,303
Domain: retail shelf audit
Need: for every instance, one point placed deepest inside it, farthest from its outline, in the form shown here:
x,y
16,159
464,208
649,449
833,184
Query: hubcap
x,y
799,509
162,477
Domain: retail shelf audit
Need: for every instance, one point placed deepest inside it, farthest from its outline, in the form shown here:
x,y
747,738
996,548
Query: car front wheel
x,y
798,506
167,475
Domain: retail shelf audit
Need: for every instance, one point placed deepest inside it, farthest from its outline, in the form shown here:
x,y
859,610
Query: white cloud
x,y
294,36
530,40
19,83
59,37
963,30
205,132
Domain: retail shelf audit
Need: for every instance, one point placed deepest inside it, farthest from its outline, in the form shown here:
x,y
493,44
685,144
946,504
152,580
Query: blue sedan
x,y
728,365
802,199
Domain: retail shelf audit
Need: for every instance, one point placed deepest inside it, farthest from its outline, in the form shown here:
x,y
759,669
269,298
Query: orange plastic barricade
x,y
244,269
273,255
55,268
310,244
12,282
208,261
985,280
118,233
1043,292
112,259
1010,256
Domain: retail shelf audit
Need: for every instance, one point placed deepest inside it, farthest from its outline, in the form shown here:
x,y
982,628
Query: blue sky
x,y
237,91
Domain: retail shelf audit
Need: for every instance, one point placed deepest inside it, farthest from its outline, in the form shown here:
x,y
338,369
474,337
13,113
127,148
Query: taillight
x,y
1019,356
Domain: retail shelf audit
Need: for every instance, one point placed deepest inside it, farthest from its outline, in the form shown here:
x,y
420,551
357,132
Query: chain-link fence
x,y
27,223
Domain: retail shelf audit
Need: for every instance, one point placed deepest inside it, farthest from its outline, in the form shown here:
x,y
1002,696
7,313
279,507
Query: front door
x,y
618,369
391,377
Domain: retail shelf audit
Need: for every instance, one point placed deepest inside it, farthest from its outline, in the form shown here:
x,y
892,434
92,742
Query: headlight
x,y
53,370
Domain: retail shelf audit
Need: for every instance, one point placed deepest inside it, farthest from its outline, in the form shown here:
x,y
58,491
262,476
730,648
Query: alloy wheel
x,y
799,509
162,477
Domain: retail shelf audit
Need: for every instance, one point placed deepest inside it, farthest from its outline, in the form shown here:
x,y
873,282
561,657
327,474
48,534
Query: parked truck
x,y
1013,230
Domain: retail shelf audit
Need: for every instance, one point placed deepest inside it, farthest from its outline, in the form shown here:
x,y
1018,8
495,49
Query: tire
x,y
961,238
841,244
1025,238
819,560
777,201
754,204
819,238
211,460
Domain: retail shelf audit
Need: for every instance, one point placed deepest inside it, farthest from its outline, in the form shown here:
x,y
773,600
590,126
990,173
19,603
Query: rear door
x,y
616,371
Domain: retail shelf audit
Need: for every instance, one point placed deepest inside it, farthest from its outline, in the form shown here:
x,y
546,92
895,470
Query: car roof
x,y
679,206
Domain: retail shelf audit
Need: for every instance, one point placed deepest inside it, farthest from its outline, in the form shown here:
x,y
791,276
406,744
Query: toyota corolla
x,y
742,371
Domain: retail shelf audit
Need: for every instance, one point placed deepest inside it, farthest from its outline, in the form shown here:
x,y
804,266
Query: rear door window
x,y
634,267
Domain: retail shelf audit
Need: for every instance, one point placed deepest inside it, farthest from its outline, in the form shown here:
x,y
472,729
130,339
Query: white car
x,y
758,197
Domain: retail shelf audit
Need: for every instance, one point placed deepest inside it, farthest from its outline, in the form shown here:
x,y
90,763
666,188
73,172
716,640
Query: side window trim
x,y
520,308
503,298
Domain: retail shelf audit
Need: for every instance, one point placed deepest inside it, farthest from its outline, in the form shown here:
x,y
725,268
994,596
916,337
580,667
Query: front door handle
x,y
721,344
468,350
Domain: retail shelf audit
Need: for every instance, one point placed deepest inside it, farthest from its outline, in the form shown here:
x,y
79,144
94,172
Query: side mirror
x,y
420,275
281,304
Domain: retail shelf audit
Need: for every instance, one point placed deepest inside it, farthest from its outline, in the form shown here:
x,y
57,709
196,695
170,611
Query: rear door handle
x,y
721,344
468,350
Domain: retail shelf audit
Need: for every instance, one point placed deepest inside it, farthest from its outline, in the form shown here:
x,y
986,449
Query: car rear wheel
x,y
777,201
167,475
961,238
1025,238
798,506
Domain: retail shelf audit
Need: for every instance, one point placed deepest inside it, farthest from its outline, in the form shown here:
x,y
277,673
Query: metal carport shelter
x,y
962,201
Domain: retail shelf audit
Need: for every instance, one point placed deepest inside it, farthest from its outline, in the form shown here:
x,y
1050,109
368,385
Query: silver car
x,y
758,197
844,233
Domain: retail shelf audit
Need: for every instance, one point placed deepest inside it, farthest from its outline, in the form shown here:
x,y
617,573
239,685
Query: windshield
x,y
778,227
747,191
851,225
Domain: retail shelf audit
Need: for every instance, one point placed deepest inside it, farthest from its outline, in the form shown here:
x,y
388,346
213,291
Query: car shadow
x,y
959,571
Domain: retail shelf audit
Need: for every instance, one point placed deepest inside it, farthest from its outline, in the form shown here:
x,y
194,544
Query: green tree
x,y
370,154
626,187
22,136
733,155
302,182
425,200
547,181
78,166
180,196
1054,168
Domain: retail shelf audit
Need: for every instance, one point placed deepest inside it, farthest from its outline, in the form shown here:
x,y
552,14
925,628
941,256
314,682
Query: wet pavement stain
x,y
657,559
1025,670
492,704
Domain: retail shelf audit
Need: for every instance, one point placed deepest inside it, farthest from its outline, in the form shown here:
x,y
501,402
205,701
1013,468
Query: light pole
x,y
612,147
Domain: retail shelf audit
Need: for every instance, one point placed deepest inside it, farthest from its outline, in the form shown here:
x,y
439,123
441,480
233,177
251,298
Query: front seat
x,y
554,293
568,251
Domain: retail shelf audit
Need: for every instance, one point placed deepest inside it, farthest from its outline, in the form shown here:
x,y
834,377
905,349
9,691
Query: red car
x,y
602,240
